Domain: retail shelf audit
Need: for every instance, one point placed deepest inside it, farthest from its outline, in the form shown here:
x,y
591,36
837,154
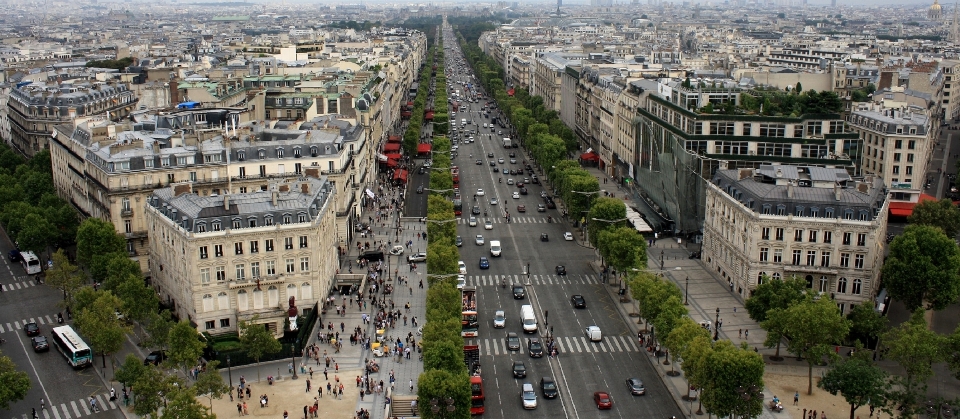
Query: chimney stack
x,y
837,192
790,190
276,197
226,202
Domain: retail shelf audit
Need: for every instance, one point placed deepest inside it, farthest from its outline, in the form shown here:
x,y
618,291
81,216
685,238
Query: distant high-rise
x,y
833,3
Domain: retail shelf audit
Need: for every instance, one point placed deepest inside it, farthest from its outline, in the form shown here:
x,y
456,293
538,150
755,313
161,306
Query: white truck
x,y
528,319
507,143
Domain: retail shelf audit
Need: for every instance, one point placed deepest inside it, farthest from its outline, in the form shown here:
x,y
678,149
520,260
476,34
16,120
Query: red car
x,y
521,208
602,400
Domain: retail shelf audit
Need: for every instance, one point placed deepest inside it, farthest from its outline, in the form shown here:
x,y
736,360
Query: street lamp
x,y
686,296
229,373
293,358
716,330
661,262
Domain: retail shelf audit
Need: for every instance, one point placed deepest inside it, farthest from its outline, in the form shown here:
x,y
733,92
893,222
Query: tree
x,y
443,300
813,325
923,267
98,322
96,241
775,325
671,312
140,302
444,355
609,209
185,346
183,404
799,88
158,327
210,383
64,276
730,370
440,385
942,214
859,381
866,323
257,341
916,349
37,233
774,294
131,370
952,352
623,248
150,391
14,384
694,357
684,331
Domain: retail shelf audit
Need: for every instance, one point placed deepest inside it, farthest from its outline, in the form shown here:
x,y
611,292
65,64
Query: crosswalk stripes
x,y
75,409
18,325
18,285
465,219
570,344
494,280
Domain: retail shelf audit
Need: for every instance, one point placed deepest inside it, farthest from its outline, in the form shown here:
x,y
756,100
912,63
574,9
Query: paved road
x,y
582,367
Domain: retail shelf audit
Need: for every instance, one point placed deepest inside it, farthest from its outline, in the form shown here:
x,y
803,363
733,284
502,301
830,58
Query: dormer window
x,y
201,228
236,223
216,226
268,220
302,217
279,153
287,219
241,155
313,151
296,152
261,154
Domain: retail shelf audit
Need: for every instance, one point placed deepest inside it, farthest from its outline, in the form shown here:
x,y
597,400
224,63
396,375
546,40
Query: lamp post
x,y
686,296
229,373
293,358
716,331
661,262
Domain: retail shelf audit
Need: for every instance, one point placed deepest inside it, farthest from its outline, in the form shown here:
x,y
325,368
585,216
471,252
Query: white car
x,y
568,236
516,195
479,192
461,282
480,240
488,225
494,201
473,221
509,181
593,333
499,320
462,266
396,250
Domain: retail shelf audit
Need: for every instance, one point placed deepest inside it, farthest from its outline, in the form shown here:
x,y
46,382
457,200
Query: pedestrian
x,y
320,391
740,333
804,414
306,412
746,333
325,377
43,403
286,415
308,386
239,409
93,404
796,398
245,411
311,372
35,413
411,385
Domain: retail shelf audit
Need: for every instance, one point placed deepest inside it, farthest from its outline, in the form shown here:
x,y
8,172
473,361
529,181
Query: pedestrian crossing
x,y
465,219
495,280
75,409
19,283
568,345
18,325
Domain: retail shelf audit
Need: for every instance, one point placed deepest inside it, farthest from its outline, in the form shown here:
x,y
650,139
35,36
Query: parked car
x,y
417,257
155,358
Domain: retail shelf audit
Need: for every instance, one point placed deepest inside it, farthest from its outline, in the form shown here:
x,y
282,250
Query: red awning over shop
x,y
905,209
423,148
391,163
394,156
590,156
510,92
391,147
394,139
400,175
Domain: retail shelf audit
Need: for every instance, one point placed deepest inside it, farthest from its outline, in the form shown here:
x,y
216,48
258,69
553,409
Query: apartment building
x,y
266,256
35,108
897,143
109,170
547,76
782,221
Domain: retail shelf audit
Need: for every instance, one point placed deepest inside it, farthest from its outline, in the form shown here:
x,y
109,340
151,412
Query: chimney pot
x,y
226,202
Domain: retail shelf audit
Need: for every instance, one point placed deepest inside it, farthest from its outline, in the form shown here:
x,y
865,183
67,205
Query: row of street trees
x,y
444,372
411,137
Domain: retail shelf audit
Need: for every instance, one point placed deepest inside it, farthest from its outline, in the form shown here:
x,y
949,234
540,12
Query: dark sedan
x,y
39,344
578,301
513,341
519,370
561,270
548,387
31,329
518,292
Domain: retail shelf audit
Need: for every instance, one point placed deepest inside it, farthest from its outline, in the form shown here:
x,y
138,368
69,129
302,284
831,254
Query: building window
x,y
271,267
268,244
857,286
279,153
811,257
721,128
828,213
255,269
204,275
765,233
305,264
796,257
216,226
861,239
203,252
842,285
773,130
798,211
814,212
847,237
303,242
844,260
764,254
268,220
777,255
798,235
291,266
858,261
287,219
218,250
827,237
774,149
241,270
201,228
848,214
238,248
236,223
254,247
781,210
288,243
732,147
302,217
760,277
824,284
813,236
767,209
221,273
779,234
224,322
209,324
253,221
776,276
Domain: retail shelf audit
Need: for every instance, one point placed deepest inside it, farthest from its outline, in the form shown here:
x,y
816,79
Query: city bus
x,y
457,207
73,348
470,319
476,395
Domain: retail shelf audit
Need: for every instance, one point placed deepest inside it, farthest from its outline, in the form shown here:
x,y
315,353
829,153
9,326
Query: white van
x,y
528,318
495,248
30,262
463,121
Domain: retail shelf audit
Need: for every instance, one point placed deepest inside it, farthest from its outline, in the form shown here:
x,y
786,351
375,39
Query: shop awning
x,y
423,148
590,157
394,139
391,163
394,156
905,209
391,147
400,175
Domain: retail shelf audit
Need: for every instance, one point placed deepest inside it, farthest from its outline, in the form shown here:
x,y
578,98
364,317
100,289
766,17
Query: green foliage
x,y
64,276
859,381
866,323
774,294
99,324
131,370
671,314
158,327
185,346
728,370
150,391
915,348
651,292
623,249
210,383
814,325
257,341
183,404
440,385
442,259
952,352
14,384
120,64
942,214
923,268
445,355
443,300
97,240
610,209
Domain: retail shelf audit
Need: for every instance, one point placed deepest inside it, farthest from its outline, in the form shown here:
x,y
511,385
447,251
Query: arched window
x,y
216,225
302,217
760,277
857,286
306,291
279,153
292,291
273,296
287,219
842,286
776,276
207,303
257,299
236,223
243,300
824,284
223,303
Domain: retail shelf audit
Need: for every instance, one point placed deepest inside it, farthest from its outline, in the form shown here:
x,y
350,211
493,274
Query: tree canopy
x,y
923,268
942,214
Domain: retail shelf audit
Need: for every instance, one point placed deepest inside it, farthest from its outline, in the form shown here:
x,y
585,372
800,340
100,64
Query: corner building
x,y
222,259
780,221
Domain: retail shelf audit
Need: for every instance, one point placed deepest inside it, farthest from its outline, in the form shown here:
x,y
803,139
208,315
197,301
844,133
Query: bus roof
x,y
71,337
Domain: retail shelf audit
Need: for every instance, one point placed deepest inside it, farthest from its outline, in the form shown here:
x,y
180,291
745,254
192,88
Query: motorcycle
x,y
776,406
549,219
503,283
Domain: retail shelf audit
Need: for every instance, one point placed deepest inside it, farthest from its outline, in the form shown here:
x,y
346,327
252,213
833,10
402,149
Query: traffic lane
x,y
415,204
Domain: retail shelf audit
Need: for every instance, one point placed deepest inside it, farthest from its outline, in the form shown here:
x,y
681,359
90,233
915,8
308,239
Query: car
x,y
519,369
561,270
543,194
516,195
499,320
541,208
513,161
519,293
510,181
602,400
473,221
500,160
417,257
459,241
551,204
535,180
494,201
519,184
521,208
513,341
535,348
479,240
490,155
636,387
499,132
31,329
14,255
420,170
462,267
523,191
479,162
494,165
549,388
488,225
484,263
397,250
578,301
526,180
512,154
461,282
544,237
39,344
568,236
593,333
529,396
480,192
475,210
155,358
